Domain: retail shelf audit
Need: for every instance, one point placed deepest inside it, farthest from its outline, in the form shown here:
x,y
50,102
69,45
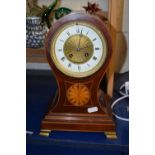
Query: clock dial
x,y
78,49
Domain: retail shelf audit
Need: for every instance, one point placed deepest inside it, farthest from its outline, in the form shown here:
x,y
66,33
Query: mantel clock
x,y
78,48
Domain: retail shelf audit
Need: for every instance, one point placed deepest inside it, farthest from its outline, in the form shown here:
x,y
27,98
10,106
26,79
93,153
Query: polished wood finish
x,y
36,55
115,18
116,13
64,115
72,118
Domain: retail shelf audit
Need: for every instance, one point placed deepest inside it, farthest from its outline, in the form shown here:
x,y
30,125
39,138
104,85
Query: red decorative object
x,y
92,8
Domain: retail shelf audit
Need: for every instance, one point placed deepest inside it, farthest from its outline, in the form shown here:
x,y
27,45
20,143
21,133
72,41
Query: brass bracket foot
x,y
110,135
44,132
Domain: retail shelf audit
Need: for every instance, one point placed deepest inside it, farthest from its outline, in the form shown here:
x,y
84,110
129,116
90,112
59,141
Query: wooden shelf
x,y
36,55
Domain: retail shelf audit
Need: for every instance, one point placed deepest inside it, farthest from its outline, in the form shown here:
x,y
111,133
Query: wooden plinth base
x,y
78,122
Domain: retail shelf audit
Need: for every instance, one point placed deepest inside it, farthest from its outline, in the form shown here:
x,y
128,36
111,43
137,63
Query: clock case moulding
x,y
64,116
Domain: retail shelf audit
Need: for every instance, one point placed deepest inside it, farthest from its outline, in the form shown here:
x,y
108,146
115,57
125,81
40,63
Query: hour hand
x,y
80,36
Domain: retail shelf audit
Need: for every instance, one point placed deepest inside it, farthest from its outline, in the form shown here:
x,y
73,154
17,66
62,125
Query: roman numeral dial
x,y
79,49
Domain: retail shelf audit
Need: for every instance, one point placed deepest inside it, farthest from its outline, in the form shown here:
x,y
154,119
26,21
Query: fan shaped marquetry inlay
x,y
78,94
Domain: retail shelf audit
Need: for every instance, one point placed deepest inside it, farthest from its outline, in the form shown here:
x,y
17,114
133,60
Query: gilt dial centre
x,y
78,48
